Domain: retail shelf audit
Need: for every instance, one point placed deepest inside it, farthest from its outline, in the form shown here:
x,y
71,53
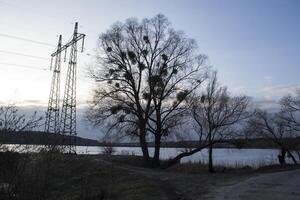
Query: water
x,y
221,156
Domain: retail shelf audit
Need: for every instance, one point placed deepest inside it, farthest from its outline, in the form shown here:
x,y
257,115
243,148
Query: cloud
x,y
32,102
44,103
269,105
276,92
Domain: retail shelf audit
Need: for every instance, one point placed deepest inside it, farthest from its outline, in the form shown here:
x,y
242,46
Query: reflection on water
x,y
226,157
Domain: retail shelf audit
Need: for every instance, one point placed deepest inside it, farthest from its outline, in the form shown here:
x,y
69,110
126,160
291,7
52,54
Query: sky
x,y
254,45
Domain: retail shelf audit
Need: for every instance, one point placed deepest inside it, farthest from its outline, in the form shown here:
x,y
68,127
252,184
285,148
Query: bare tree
x,y
12,121
290,107
215,115
274,128
171,90
145,70
13,164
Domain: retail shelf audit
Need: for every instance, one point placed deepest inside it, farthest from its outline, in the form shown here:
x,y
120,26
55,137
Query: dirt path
x,y
222,186
161,178
271,186
181,186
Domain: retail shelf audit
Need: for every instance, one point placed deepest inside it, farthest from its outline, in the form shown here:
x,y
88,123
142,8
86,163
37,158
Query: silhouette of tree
x,y
290,106
12,120
215,114
145,71
272,127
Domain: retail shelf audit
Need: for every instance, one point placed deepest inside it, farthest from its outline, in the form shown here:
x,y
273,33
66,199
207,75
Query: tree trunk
x,y
281,156
144,147
156,161
210,158
184,154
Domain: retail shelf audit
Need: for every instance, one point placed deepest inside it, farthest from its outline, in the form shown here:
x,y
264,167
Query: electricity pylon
x,y
52,115
68,114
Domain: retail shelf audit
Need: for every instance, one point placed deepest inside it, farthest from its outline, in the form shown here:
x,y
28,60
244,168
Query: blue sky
x,y
255,45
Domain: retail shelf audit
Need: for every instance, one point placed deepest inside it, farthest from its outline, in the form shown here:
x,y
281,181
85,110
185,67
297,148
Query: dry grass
x,y
56,176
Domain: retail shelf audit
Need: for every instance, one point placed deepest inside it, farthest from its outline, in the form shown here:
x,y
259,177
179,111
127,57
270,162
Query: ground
x,y
189,181
122,177
271,186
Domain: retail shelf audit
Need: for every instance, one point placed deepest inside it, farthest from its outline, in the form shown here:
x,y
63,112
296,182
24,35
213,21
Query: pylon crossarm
x,y
70,43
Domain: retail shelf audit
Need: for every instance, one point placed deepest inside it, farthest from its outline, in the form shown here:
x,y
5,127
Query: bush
x,y
108,150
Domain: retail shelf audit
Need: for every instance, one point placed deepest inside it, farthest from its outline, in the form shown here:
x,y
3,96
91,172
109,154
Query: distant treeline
x,y
41,138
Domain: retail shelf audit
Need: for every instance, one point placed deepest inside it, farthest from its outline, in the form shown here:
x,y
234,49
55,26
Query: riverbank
x,y
57,176
229,157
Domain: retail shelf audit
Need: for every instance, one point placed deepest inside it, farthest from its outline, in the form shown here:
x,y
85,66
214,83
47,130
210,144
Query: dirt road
x,y
267,184
270,186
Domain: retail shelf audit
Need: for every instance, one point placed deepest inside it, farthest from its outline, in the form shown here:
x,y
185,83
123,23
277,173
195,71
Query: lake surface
x,y
221,156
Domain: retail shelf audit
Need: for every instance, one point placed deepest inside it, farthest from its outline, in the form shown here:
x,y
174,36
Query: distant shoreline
x,y
40,138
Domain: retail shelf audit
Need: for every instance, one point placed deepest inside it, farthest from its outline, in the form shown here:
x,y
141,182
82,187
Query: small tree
x,y
290,107
274,128
216,114
12,121
12,164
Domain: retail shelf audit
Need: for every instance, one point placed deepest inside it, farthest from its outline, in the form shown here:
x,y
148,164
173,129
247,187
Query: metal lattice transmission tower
x,y
68,114
52,114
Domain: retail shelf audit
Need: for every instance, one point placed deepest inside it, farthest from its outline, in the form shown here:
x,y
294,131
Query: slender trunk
x,y
210,158
156,161
283,154
210,152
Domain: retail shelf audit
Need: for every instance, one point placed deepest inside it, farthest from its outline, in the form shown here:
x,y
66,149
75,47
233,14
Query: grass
x,y
59,176
56,176
188,167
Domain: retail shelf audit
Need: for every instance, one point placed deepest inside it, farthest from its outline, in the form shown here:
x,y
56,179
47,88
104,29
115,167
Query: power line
x,y
35,68
26,39
23,66
21,54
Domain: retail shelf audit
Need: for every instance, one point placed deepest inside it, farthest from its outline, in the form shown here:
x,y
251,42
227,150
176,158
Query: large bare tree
x,y
171,91
144,71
